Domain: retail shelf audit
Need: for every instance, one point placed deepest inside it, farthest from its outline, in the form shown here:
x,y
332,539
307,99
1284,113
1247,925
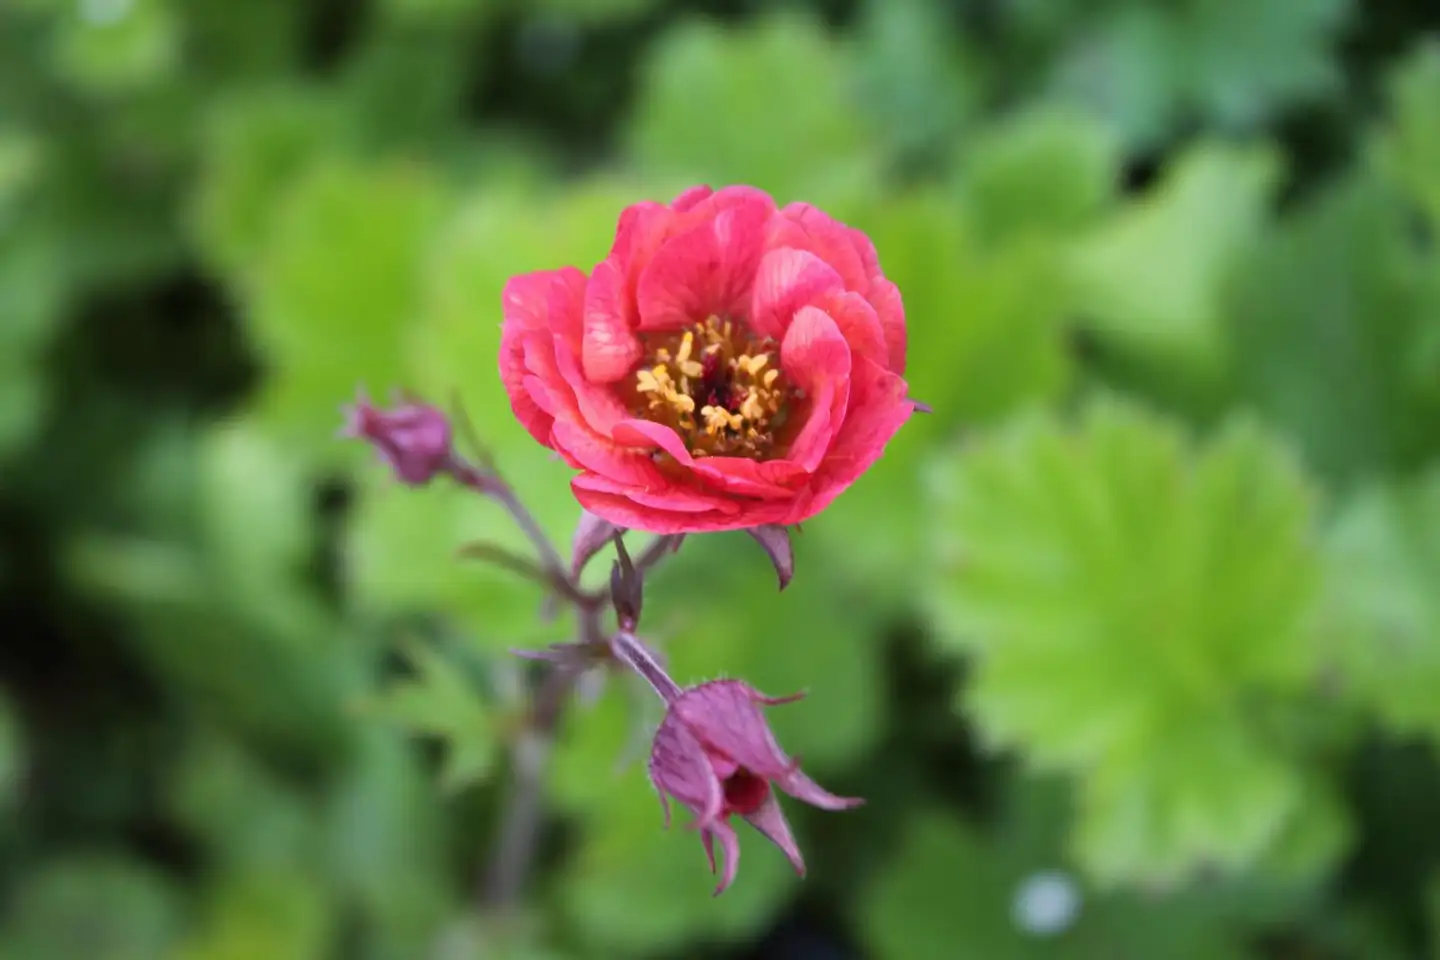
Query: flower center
x,y
718,386
745,792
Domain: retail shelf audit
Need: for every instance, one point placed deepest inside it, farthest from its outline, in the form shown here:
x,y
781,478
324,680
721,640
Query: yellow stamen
x,y
730,405
751,408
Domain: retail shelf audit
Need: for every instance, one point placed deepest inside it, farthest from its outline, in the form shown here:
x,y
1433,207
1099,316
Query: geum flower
x,y
715,754
729,365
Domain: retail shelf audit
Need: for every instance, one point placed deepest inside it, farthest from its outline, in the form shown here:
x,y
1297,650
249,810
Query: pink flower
x,y
729,364
413,438
715,754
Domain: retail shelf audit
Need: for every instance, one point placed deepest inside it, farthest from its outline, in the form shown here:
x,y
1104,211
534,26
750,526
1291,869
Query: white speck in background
x,y
1046,903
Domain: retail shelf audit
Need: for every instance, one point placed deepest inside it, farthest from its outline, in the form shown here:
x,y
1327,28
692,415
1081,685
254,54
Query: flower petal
x,y
803,788
807,227
770,821
878,409
609,350
859,324
691,197
649,435
599,407
525,299
535,418
540,393
762,480
730,851
816,358
605,457
626,512
787,280
639,225
725,716
889,307
669,497
706,270
531,304
679,767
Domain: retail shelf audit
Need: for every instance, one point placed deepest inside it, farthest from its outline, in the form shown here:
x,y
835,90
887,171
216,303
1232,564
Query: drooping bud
x,y
714,753
776,541
591,535
414,439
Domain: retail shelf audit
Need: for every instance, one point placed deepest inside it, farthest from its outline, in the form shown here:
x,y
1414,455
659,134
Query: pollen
x,y
718,386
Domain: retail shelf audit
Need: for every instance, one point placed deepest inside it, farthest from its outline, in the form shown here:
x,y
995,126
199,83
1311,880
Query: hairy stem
x,y
522,820
490,485
630,651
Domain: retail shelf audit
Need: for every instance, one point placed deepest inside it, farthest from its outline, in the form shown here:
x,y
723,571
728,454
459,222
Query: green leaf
x,y
253,149
767,105
920,85
403,549
34,287
1043,174
1152,279
435,11
469,936
1240,62
1383,555
986,339
593,11
116,45
12,756
92,905
635,888
1129,602
336,291
951,892
1409,150
1149,69
441,701
1332,324
384,845
276,915
247,819
258,532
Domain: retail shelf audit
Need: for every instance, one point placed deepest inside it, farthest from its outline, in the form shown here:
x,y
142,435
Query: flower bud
x,y
414,439
714,753
627,588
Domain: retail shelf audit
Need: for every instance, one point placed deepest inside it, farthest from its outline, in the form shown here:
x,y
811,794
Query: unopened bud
x,y
627,589
414,439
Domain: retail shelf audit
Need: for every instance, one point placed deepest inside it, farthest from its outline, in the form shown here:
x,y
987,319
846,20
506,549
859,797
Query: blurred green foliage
x,y
1133,645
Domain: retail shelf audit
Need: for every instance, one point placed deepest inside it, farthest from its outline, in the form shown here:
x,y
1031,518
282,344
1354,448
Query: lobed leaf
x,y
1129,602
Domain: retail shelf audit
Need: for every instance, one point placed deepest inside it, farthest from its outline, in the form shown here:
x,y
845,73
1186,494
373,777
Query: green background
x,y
1133,646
